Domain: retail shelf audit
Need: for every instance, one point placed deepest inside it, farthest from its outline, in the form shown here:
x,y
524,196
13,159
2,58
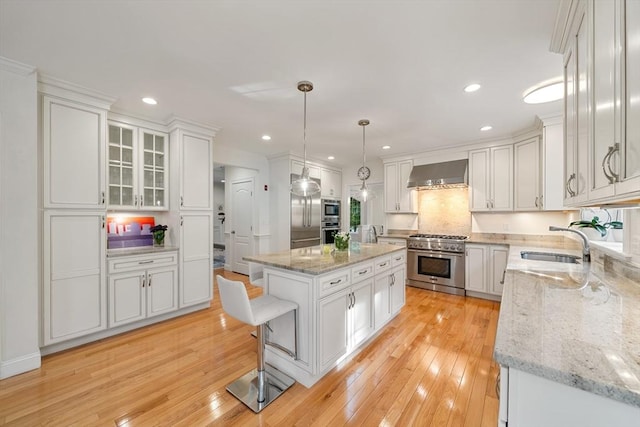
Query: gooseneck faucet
x,y
586,250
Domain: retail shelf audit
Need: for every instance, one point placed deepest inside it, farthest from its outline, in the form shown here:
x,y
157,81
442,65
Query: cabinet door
x,y
502,178
127,298
332,341
527,175
381,301
406,195
153,170
391,187
162,290
475,272
582,111
604,92
331,183
74,288
74,146
361,313
570,120
630,172
480,191
498,257
196,260
397,291
196,171
122,160
314,171
553,169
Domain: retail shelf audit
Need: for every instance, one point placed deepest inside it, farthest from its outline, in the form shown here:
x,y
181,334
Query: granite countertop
x,y
139,250
574,324
313,261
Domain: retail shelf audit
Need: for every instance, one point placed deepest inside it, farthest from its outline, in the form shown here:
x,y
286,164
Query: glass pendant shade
x,y
305,186
363,172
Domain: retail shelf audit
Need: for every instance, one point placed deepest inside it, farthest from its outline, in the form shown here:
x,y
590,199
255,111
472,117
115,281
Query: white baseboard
x,y
19,365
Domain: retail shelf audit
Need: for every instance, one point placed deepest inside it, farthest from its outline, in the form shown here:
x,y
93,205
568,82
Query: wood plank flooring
x,y
431,366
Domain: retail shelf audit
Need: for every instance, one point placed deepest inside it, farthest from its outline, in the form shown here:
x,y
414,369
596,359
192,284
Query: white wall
x,y
19,224
519,222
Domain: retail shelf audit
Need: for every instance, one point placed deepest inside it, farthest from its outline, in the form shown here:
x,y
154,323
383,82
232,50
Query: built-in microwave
x,y
330,209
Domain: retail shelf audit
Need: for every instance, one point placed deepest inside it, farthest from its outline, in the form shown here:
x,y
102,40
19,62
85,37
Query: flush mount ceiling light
x,y
472,87
330,158
386,147
149,100
304,186
486,128
266,138
544,92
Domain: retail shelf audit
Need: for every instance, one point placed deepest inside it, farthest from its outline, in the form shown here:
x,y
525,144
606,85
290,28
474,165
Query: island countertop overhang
x,y
313,261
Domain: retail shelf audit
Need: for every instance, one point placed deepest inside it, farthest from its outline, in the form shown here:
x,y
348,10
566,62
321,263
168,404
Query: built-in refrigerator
x,y
305,218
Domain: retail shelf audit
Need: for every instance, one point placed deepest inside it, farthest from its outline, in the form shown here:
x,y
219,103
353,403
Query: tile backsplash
x,y
444,211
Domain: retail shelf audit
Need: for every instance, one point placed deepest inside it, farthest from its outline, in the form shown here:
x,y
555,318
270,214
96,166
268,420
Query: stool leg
x,y
262,383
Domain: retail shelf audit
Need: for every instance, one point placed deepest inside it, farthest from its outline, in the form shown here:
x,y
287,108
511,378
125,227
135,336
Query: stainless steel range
x,y
436,262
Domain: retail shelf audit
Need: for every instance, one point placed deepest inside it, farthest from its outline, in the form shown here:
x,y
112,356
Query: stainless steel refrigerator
x,y
305,219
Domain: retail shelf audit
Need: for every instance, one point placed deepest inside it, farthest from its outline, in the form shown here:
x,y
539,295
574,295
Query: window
x,y
354,214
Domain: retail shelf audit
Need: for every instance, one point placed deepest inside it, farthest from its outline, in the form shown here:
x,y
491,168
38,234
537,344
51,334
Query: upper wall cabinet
x,y
527,181
491,179
397,197
330,183
602,133
192,169
73,135
138,168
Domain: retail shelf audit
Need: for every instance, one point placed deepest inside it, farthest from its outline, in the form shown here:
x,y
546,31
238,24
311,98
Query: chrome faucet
x,y
586,250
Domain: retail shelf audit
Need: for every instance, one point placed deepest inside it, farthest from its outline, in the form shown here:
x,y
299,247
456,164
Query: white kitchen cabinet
x,y
191,152
485,266
314,170
330,183
138,165
73,143
602,134
397,289
196,258
527,171
532,401
345,321
388,289
393,241
552,197
491,179
142,286
397,197
74,293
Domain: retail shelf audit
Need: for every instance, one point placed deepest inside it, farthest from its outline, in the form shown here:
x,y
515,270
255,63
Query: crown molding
x,y
67,90
16,67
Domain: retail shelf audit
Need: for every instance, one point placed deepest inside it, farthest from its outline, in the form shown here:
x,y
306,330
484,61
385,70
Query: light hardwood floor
x,y
431,366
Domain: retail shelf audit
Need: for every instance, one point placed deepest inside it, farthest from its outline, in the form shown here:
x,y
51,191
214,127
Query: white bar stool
x,y
256,274
262,385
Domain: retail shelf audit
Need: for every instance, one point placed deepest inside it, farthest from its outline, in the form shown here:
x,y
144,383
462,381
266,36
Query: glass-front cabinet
x,y
137,168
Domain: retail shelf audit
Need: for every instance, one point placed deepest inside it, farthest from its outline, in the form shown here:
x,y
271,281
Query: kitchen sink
x,y
549,256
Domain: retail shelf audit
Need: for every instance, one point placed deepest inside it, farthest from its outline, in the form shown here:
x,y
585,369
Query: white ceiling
x,y
235,65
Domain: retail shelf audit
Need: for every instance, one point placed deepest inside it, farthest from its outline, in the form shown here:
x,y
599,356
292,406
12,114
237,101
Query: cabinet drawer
x,y
335,281
137,262
398,258
361,272
381,264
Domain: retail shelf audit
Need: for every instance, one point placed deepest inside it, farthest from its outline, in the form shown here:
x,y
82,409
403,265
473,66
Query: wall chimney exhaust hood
x,y
439,175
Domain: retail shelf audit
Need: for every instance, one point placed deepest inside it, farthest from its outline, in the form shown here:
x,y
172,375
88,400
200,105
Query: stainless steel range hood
x,y
439,175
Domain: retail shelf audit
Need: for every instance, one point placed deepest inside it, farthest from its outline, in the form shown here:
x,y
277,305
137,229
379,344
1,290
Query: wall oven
x,y
329,228
436,263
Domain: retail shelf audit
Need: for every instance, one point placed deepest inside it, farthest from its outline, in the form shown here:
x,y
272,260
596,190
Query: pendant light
x,y
304,186
364,172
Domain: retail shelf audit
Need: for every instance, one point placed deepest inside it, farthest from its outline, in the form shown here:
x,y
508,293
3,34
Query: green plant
x,y
594,223
616,225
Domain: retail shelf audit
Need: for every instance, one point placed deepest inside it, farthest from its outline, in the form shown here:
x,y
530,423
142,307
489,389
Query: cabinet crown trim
x,y
70,91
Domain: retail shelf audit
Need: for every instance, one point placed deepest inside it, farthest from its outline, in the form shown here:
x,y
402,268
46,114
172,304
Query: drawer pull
x,y
382,265
362,272
399,258
145,262
335,282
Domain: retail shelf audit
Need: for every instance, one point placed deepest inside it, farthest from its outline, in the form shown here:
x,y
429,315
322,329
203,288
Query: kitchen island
x,y
344,299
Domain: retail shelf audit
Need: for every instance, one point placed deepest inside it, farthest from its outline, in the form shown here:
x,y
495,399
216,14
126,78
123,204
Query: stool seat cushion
x,y
257,311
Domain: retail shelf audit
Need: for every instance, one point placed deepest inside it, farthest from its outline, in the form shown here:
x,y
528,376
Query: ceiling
x,y
235,65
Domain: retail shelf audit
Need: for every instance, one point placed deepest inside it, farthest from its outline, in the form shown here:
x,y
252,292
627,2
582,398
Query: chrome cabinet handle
x,y
149,282
141,201
146,262
606,161
487,204
541,202
102,221
181,220
503,274
135,200
181,201
536,203
144,281
568,185
335,282
362,272
102,194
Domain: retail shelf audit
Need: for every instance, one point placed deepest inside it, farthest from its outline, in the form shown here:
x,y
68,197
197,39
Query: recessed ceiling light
x,y
330,158
222,180
149,100
472,87
485,128
266,138
386,147
544,92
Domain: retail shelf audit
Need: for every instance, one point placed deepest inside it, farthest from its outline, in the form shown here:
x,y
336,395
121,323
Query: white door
x,y
241,224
